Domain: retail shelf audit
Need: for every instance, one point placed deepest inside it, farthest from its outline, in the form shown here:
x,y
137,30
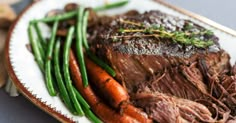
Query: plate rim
x,y
13,77
201,18
43,106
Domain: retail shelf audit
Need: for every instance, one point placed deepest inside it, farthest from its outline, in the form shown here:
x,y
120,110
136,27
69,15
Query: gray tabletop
x,y
20,110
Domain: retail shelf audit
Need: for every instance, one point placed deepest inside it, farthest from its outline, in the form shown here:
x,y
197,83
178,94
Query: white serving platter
x,y
26,75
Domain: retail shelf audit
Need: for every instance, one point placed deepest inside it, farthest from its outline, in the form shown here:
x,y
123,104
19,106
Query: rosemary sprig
x,y
186,38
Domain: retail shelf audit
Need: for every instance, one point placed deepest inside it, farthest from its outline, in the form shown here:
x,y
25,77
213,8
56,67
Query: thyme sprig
x,y
131,22
186,38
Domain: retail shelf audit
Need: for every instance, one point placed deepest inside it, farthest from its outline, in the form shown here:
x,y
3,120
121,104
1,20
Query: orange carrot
x,y
134,112
104,112
112,91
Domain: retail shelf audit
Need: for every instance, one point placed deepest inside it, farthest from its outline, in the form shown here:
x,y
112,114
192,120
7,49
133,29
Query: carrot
x,y
112,91
104,112
134,112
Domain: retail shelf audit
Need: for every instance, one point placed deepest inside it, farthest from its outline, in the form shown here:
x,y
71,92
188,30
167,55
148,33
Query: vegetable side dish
x,y
134,67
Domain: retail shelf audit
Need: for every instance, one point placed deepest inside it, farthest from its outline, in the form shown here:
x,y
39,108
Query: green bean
x,y
40,42
72,14
59,17
61,85
81,99
35,48
79,48
67,78
42,51
41,39
92,116
101,63
48,74
112,5
84,29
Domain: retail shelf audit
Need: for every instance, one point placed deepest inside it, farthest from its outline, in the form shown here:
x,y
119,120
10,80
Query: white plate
x,y
26,74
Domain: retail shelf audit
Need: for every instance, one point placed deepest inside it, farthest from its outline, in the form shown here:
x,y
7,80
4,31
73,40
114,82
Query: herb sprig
x,y
186,38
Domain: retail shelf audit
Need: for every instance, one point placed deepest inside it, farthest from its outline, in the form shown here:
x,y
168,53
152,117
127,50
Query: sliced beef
x,y
146,57
178,79
169,109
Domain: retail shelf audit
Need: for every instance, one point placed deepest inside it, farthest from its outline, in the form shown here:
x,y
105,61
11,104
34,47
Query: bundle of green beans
x,y
72,14
47,56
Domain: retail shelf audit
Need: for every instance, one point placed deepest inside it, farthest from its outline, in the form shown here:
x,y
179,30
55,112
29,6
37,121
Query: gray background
x,y
20,110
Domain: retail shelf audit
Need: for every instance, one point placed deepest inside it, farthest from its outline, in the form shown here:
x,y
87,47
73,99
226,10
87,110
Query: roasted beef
x,y
169,109
180,82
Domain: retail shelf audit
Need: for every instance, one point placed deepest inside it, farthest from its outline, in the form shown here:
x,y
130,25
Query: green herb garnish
x,y
181,37
188,26
121,30
208,33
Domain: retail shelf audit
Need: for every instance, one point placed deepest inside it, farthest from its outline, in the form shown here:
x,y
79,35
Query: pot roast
x,y
170,81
